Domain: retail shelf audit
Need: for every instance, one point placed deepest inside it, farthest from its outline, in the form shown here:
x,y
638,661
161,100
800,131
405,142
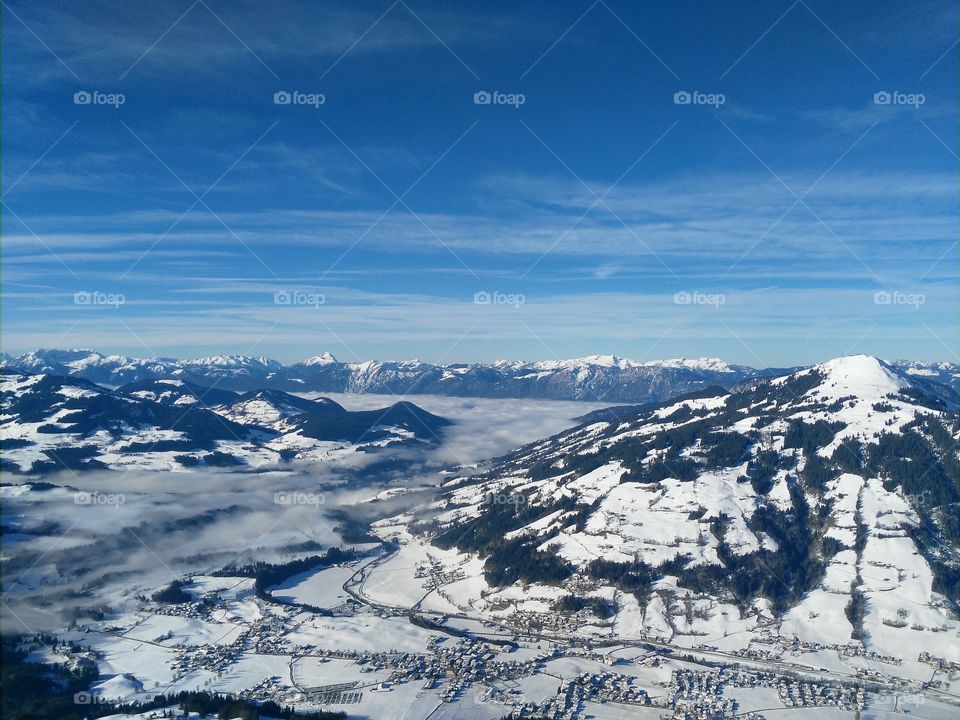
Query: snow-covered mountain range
x,y
598,378
51,422
945,373
819,508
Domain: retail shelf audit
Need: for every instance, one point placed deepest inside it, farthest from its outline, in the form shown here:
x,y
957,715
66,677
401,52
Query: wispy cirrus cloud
x,y
904,215
360,325
399,196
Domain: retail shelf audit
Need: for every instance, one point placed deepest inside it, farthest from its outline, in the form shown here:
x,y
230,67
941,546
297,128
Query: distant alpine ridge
x,y
597,378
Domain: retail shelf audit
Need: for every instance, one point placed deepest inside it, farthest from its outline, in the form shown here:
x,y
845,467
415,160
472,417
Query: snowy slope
x,y
819,506
274,409
52,422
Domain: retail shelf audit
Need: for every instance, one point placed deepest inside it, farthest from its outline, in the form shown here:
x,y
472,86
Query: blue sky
x,y
802,206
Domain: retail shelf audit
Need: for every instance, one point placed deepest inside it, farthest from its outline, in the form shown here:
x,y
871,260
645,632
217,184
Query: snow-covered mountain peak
x,y
708,364
365,367
603,361
236,361
41,358
867,396
863,376
324,358
273,408
705,364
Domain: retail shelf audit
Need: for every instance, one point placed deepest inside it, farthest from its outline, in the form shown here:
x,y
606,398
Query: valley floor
x,y
384,639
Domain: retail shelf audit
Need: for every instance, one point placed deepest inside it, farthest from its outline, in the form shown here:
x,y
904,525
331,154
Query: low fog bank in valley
x,y
483,428
78,544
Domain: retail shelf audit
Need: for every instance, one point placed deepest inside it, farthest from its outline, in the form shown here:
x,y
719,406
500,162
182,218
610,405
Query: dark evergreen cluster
x,y
762,469
601,607
266,575
808,437
508,561
520,560
855,611
503,514
172,593
636,578
36,691
726,449
223,706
